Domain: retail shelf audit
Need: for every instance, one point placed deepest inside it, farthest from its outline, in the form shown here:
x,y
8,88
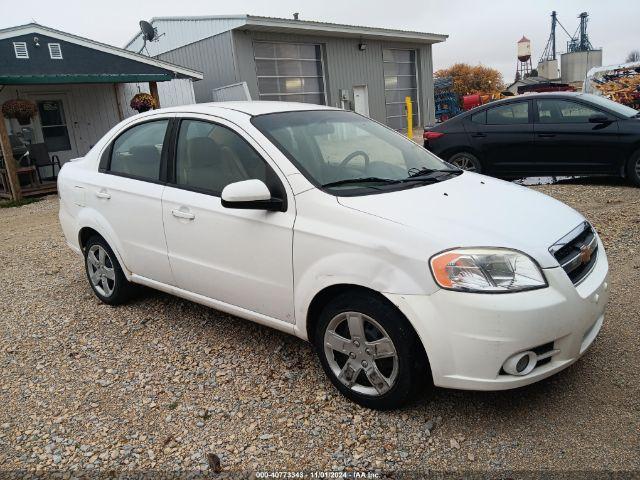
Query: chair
x,y
39,155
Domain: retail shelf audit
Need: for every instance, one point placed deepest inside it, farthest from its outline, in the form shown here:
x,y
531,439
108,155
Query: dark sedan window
x,y
564,111
479,117
509,114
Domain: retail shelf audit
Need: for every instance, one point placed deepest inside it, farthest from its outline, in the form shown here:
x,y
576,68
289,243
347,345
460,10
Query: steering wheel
x,y
351,156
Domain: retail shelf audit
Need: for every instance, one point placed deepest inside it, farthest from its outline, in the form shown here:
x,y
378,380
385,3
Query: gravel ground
x,y
161,382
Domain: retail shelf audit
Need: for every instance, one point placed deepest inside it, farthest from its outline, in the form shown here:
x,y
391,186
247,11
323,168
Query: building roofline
x,y
103,47
254,22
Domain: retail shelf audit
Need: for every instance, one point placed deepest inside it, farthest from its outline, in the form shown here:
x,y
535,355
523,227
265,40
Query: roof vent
x,y
21,49
296,15
55,52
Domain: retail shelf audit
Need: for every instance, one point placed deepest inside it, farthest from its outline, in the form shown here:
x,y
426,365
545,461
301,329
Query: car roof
x,y
251,108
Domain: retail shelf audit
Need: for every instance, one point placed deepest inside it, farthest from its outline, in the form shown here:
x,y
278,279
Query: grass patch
x,y
18,203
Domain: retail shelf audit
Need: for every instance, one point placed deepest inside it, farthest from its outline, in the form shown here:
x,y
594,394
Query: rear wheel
x,y
633,169
105,276
466,161
369,351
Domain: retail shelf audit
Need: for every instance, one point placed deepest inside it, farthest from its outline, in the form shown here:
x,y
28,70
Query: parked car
x,y
401,270
543,134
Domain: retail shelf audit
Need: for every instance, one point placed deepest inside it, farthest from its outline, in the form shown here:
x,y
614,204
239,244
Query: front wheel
x,y
370,352
633,169
466,161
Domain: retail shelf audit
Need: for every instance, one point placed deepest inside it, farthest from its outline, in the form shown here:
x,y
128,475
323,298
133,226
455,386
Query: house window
x,y
21,49
54,125
290,72
400,81
55,52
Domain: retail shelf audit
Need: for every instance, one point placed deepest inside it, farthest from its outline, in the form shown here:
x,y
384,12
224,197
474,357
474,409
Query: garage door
x,y
290,72
400,81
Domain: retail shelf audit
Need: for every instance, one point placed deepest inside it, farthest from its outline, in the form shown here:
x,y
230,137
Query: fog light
x,y
521,363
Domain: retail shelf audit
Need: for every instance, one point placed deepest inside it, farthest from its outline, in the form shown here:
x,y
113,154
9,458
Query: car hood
x,y
473,210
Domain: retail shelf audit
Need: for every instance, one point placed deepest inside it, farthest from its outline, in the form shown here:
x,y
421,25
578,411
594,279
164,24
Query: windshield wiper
x,y
349,181
422,172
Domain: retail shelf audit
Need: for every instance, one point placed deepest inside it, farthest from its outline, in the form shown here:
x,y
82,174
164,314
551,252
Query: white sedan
x,y
400,269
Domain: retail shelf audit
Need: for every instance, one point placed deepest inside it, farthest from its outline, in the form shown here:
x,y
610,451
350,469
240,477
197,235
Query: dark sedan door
x,y
503,137
566,142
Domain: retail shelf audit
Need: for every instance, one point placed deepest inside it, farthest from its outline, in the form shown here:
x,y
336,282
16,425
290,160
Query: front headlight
x,y
486,270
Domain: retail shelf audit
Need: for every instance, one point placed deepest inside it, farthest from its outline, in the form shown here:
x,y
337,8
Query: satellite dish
x,y
148,32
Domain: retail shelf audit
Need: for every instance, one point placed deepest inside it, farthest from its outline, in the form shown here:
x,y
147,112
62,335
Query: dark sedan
x,y
547,134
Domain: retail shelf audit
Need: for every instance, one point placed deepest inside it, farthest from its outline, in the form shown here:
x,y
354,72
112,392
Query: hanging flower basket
x,y
143,102
21,110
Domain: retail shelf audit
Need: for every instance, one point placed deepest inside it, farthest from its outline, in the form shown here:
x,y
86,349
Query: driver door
x,y
239,257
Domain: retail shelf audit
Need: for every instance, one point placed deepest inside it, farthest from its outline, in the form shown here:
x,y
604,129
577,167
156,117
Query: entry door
x,y
361,99
54,127
503,135
239,257
567,143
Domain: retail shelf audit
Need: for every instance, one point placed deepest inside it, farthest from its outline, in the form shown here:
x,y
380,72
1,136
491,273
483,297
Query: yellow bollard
x,y
409,107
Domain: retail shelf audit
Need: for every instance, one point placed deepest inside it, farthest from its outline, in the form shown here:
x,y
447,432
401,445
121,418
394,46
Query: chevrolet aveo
x,y
401,270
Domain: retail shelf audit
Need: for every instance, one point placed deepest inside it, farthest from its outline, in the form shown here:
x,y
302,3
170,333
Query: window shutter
x,y
55,52
21,49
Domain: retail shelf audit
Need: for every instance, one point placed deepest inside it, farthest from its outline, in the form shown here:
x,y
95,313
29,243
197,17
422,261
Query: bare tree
x,y
634,56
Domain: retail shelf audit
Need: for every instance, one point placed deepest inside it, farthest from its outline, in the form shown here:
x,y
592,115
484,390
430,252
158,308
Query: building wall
x,y
575,65
214,57
345,66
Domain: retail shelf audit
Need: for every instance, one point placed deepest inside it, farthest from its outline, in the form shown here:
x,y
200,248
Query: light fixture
x,y
362,46
36,41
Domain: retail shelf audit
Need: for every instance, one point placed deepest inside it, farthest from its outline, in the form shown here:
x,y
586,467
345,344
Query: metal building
x,y
369,70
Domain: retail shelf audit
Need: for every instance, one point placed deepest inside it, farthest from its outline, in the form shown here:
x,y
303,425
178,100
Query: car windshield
x,y
340,151
615,107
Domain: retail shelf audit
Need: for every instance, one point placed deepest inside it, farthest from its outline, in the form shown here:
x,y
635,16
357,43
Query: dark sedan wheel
x,y
633,169
466,161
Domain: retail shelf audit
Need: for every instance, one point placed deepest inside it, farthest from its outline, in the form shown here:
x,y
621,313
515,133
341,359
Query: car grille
x,y
577,252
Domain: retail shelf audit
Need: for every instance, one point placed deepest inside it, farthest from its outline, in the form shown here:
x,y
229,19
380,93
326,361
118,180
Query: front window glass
x,y
209,157
564,111
335,146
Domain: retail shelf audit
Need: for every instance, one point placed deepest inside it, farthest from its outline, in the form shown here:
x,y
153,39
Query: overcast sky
x,y
479,32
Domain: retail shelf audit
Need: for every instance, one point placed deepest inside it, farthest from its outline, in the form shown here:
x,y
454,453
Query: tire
x,y
466,161
633,169
351,364
104,273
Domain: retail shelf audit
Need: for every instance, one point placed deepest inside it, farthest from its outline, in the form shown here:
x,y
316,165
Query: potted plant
x,y
21,110
143,102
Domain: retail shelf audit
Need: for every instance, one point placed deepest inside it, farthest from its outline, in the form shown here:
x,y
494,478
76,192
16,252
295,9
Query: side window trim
x,y
172,161
105,158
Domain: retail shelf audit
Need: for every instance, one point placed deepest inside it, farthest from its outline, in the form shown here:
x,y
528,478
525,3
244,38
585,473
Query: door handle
x,y
478,135
103,194
182,214
546,135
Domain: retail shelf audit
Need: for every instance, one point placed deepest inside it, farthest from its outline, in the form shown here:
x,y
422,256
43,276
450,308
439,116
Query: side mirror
x,y
250,195
599,118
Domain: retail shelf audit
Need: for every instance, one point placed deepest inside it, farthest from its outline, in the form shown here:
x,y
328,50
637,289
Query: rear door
x,y
502,136
128,195
567,143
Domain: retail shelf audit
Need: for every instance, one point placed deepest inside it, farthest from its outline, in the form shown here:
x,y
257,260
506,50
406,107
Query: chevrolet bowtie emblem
x,y
585,253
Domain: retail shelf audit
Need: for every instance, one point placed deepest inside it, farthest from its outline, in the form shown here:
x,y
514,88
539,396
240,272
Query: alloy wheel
x,y
361,354
101,271
465,163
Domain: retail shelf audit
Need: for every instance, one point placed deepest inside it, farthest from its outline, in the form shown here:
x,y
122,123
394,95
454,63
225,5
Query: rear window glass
x,y
137,151
480,117
509,114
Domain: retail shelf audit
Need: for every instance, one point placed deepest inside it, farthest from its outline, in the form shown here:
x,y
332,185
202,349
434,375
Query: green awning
x,y
82,78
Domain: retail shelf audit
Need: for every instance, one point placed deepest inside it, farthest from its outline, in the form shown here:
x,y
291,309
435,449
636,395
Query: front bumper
x,y
469,336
